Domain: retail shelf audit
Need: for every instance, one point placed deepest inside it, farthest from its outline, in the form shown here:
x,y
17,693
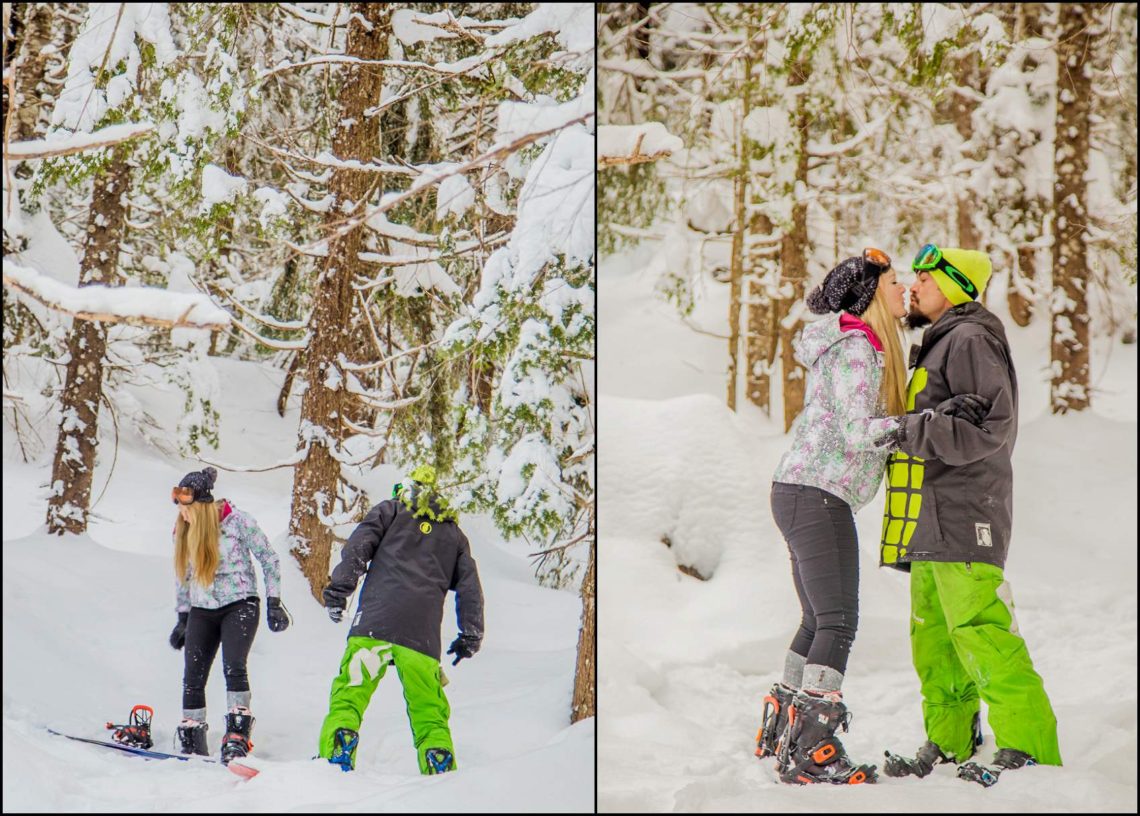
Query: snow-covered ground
x,y
86,622
684,664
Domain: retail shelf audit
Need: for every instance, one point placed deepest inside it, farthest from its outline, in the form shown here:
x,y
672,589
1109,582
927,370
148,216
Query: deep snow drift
x,y
684,664
86,621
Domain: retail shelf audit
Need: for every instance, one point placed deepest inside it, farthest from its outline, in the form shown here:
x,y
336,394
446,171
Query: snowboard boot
x,y
439,760
192,737
923,763
774,719
239,726
927,756
344,749
810,752
1006,759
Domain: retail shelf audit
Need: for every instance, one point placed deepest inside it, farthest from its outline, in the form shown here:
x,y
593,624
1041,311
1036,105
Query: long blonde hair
x,y
197,545
878,317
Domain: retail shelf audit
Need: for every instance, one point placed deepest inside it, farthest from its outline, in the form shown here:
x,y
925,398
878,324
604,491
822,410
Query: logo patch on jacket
x,y
982,531
425,528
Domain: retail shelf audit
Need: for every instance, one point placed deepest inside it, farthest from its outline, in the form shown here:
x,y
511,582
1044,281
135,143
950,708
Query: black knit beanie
x,y
201,482
848,287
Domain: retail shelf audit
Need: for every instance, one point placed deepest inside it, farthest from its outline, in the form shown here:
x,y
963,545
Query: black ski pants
x,y
819,529
233,626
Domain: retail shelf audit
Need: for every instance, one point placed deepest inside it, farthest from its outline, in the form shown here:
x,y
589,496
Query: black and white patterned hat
x,y
848,287
201,482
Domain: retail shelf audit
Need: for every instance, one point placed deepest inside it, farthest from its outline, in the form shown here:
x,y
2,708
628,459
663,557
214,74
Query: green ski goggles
x,y
929,258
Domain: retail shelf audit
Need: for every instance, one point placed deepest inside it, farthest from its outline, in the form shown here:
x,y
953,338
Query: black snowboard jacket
x,y
950,487
411,563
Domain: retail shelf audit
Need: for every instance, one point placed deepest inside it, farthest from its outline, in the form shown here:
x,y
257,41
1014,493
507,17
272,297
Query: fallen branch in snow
x,y
280,345
300,325
298,456
341,18
821,150
453,69
136,306
634,158
44,149
622,144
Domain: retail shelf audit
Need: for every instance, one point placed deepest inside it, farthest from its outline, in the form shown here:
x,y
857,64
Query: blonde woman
x,y
217,605
854,396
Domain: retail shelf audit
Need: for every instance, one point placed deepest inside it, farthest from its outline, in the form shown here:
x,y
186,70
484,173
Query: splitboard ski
x,y
244,771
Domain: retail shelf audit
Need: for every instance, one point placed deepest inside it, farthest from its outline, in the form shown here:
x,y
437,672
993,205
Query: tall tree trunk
x,y
794,251
1021,292
29,24
585,677
41,41
760,343
1022,275
317,477
739,187
1070,328
73,468
968,74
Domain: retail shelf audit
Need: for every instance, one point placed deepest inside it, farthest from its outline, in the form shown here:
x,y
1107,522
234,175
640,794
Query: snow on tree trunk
x,y
74,465
794,251
969,76
317,477
760,342
1070,327
585,677
46,32
740,183
1023,274
43,33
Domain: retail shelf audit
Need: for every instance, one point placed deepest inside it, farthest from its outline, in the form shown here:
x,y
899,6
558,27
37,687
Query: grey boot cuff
x,y
821,679
794,669
196,714
238,698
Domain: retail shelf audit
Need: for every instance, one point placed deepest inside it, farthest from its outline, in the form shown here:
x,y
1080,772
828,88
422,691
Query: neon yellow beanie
x,y
974,265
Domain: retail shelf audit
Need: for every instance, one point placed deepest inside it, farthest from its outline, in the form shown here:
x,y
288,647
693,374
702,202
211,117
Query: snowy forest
x,y
806,127
376,220
746,149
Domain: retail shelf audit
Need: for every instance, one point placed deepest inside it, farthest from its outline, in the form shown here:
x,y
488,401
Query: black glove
x,y
463,646
334,604
277,615
970,407
178,635
336,612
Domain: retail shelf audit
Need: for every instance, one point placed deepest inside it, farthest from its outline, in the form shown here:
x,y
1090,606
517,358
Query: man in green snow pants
x,y
948,518
414,553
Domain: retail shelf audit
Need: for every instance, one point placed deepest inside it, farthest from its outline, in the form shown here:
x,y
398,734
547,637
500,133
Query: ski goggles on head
x,y
876,257
930,258
409,490
182,495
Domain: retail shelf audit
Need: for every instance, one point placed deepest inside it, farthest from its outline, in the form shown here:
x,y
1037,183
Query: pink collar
x,y
849,323
225,511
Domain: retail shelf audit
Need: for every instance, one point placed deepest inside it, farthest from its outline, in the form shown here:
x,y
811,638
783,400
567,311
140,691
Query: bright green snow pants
x,y
364,663
965,644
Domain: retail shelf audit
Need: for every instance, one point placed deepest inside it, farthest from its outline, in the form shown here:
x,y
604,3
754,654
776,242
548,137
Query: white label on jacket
x,y
982,531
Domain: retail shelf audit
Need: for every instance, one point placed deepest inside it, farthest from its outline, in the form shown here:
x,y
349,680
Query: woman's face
x,y
893,291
